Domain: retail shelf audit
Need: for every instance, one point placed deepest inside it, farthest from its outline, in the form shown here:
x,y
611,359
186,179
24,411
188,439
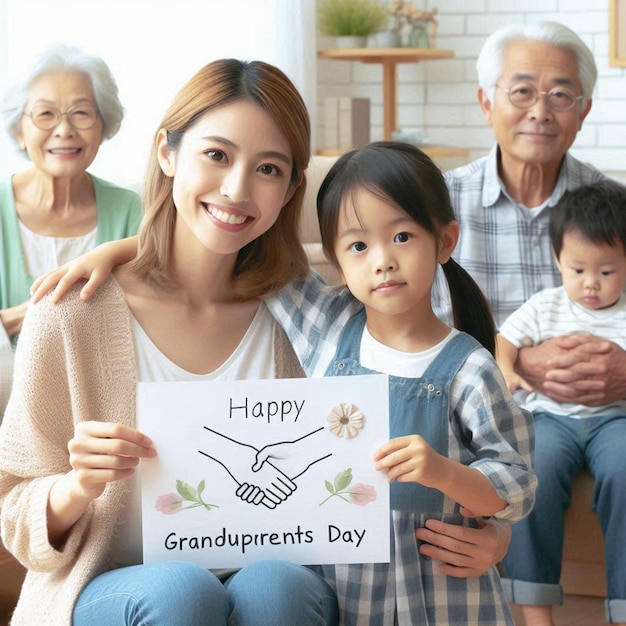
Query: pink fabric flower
x,y
169,503
362,494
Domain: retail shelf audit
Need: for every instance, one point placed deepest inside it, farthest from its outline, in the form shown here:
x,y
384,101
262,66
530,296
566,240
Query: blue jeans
x,y
563,446
178,593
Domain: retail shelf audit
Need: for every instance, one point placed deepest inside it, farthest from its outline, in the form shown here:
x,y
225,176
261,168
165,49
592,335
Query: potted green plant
x,y
351,19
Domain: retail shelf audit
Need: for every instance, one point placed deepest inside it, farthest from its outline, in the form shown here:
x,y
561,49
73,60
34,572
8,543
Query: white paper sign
x,y
313,496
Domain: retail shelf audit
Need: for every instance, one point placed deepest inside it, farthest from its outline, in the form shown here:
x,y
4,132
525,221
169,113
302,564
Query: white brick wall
x,y
439,97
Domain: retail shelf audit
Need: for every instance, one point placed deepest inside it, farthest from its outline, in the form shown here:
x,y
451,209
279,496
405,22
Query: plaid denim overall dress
x,y
409,590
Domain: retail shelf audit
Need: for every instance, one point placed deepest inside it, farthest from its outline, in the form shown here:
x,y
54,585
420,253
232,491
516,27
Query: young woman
x,y
222,202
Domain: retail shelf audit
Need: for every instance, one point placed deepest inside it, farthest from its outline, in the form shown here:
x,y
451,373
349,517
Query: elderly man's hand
x,y
580,368
464,552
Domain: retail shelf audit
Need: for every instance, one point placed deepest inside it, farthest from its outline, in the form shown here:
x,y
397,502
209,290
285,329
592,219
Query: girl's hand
x,y
95,266
410,458
63,277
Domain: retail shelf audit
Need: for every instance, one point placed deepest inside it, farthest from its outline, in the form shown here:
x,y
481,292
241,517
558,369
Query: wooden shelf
x,y
433,151
379,55
388,58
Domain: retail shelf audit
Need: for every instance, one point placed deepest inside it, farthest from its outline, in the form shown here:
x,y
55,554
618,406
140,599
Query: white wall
x,y
439,97
153,47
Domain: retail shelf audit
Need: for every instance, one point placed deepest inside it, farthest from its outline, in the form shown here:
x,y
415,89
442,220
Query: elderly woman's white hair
x,y
67,58
490,60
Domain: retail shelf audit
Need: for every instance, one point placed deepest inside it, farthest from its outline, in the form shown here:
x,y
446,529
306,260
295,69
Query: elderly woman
x,y
55,210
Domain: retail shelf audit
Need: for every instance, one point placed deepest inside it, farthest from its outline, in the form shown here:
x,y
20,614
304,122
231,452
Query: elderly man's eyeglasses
x,y
524,95
81,117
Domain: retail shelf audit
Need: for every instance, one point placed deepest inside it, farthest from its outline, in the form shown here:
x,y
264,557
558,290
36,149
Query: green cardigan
x,y
119,214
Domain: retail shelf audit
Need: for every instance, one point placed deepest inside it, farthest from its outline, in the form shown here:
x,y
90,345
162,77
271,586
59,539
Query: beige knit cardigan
x,y
75,361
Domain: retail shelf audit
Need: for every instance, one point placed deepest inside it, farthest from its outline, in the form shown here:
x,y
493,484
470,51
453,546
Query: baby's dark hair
x,y
596,211
403,174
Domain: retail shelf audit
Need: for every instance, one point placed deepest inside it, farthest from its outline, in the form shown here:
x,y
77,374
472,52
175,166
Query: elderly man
x,y
535,87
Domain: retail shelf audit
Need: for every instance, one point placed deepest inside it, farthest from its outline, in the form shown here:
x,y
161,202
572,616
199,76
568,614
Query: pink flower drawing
x,y
169,503
362,494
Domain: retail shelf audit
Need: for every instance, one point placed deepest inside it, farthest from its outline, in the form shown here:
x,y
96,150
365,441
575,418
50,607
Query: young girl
x,y
223,195
457,437
459,440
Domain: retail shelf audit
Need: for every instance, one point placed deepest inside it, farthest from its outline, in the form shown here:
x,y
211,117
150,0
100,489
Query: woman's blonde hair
x,y
276,257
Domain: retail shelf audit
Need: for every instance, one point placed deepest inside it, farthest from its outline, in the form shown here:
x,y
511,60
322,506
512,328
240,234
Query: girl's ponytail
x,y
470,309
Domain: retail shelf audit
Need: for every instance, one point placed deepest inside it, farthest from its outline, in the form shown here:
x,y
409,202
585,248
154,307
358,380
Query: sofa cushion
x,y
309,226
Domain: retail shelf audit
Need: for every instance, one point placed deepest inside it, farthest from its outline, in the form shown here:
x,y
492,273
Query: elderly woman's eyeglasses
x,y
81,117
524,95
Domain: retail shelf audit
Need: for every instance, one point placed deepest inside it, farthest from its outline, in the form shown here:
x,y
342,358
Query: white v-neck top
x,y
252,359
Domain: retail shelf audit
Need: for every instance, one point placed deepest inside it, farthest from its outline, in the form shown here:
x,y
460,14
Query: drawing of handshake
x,y
264,476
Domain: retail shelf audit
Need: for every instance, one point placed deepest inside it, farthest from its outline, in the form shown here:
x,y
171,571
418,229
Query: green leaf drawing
x,y
170,503
361,494
343,479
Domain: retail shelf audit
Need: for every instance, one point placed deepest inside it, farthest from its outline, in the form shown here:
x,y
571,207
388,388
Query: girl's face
x,y
386,259
63,150
594,275
231,176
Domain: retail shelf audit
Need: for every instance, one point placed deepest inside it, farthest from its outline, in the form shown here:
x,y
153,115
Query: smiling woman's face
x,y
232,173
63,151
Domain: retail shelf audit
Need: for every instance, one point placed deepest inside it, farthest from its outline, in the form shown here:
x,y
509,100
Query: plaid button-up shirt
x,y
504,245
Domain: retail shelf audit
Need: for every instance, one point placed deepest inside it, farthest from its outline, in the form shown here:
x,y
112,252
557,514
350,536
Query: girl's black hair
x,y
403,174
596,211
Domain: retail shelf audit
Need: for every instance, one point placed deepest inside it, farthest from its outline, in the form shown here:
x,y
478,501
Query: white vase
x,y
346,42
388,39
